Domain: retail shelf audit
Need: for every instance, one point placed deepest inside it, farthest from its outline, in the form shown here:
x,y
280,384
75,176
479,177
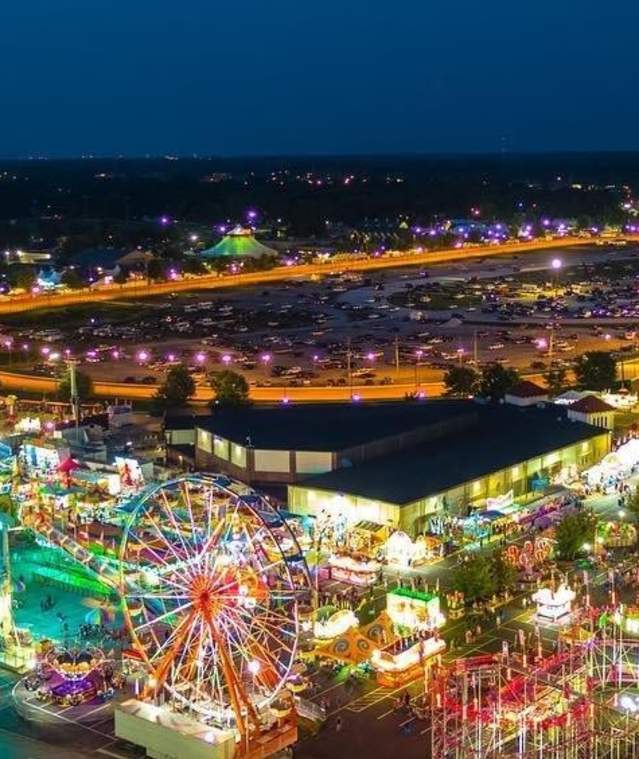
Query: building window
x,y
272,461
205,441
221,448
238,455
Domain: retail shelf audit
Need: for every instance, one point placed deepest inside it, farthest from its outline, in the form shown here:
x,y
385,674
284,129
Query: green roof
x,y
418,595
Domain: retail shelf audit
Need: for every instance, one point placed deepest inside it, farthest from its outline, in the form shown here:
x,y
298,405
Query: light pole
x,y
418,359
556,265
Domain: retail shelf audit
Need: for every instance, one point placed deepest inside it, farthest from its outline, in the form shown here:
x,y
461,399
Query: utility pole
x,y
73,388
397,354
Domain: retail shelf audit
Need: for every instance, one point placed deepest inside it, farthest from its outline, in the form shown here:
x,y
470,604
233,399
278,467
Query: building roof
x,y
591,404
328,426
238,243
506,435
527,389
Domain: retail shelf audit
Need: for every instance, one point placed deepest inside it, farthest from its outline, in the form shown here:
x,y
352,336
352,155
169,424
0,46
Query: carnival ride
x,y
210,579
564,706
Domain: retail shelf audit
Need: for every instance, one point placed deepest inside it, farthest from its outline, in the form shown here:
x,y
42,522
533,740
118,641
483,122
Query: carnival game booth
x,y
399,664
616,534
400,551
367,538
413,610
354,569
330,622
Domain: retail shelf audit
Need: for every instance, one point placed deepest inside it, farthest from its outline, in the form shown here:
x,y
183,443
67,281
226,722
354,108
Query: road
x,y
310,394
17,304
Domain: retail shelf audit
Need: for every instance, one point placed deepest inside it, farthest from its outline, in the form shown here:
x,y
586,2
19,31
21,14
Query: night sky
x,y
317,76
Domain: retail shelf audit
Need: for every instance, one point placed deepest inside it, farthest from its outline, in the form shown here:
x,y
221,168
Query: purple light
x,y
115,354
171,358
285,400
143,356
200,358
357,398
370,356
226,359
45,351
265,358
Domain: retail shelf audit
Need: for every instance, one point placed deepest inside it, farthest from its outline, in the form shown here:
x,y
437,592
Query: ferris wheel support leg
x,y
162,670
238,696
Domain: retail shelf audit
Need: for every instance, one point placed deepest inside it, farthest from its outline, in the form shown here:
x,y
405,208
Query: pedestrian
x,y
338,725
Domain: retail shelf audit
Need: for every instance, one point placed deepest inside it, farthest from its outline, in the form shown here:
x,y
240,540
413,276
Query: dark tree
x,y
474,577
176,389
496,381
84,385
461,381
231,388
596,370
556,380
72,279
155,269
574,533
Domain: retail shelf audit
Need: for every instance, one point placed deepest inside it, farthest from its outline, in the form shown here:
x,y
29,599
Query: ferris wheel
x,y
213,608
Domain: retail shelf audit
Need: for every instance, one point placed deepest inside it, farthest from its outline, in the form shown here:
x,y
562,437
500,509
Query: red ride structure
x,y
565,706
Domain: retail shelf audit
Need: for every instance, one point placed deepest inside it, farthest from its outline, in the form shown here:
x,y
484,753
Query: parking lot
x,y
405,325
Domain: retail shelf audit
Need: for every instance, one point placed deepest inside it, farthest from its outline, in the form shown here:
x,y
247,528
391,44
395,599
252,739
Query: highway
x,y
32,302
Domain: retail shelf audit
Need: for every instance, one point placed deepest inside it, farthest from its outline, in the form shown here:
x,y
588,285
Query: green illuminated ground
x,y
48,572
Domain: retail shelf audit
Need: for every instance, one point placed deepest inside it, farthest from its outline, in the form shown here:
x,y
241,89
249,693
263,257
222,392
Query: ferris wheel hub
x,y
206,596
